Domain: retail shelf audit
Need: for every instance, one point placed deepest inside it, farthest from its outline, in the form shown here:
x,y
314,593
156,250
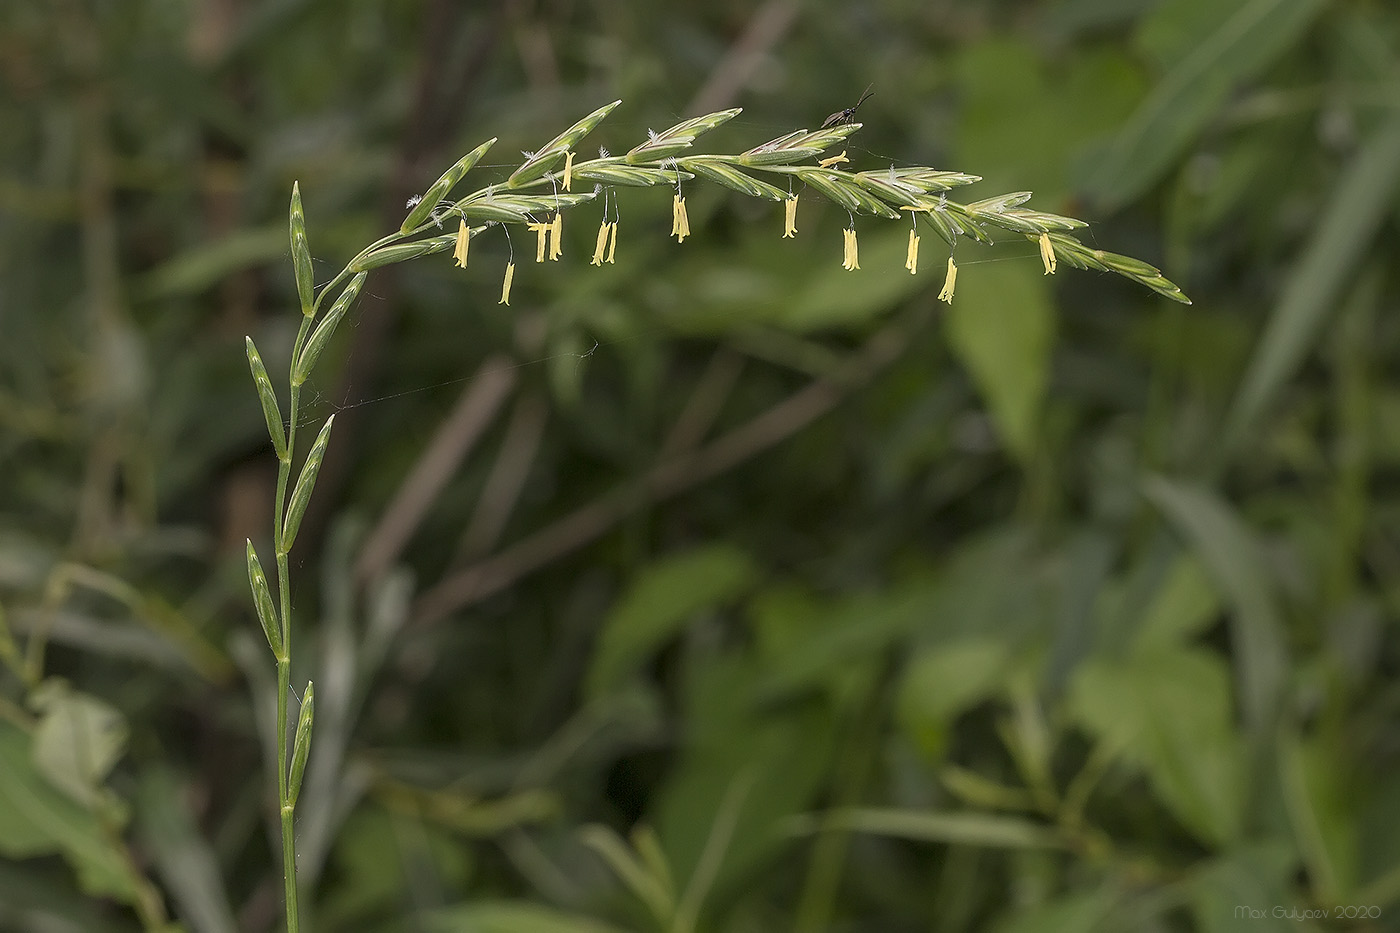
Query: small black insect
x,y
849,114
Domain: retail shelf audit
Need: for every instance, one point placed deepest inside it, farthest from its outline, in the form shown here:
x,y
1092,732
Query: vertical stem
x,y
284,661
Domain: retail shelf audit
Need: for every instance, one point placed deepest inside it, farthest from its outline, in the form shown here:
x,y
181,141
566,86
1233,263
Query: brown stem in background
x,y
507,477
705,402
765,30
477,581
451,444
442,100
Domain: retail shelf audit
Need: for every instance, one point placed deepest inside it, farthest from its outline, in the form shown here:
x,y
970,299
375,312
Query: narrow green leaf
x,y
306,482
310,353
971,829
197,268
1232,556
1320,793
983,793
543,160
1241,888
943,680
1170,713
649,889
1249,36
1184,605
1002,328
171,837
402,252
301,745
443,186
662,599
1363,199
301,254
271,413
1087,912
482,916
262,599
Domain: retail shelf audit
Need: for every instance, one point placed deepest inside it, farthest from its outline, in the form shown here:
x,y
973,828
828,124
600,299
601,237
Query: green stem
x,y
284,661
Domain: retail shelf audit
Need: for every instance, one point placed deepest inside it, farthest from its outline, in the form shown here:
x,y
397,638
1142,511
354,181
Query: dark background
x,y
820,604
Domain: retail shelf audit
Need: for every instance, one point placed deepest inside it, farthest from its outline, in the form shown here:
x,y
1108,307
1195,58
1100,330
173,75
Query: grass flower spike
x,y
534,190
947,293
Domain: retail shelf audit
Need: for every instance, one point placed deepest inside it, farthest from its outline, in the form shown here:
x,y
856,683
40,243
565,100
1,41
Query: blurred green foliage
x,y
719,588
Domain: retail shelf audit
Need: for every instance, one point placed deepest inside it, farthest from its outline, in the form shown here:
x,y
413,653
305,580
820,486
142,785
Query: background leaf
x,y
660,602
38,819
1002,327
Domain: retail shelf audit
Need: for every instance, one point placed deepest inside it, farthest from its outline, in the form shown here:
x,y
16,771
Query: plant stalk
x,y
284,661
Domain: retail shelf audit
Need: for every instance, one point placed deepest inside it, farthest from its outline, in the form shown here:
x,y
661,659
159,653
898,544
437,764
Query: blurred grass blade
x,y
1191,94
262,598
184,858
484,916
301,745
663,597
201,267
301,254
306,482
271,413
1318,795
1364,198
1002,329
971,829
443,186
323,332
1232,557
648,888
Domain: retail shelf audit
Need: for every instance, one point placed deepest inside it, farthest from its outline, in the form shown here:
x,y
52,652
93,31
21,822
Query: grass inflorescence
x,y
659,161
